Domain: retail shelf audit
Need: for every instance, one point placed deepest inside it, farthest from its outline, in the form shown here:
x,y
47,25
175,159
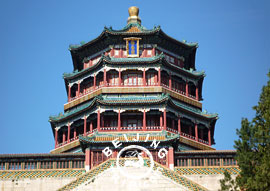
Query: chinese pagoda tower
x,y
128,82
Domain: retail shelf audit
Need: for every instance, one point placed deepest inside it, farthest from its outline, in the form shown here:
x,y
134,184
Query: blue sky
x,y
234,52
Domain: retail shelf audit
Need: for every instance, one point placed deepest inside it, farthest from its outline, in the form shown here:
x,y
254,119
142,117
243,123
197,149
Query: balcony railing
x,y
173,89
131,128
108,128
73,139
179,91
92,89
194,138
148,128
172,130
187,136
153,128
191,96
203,141
165,85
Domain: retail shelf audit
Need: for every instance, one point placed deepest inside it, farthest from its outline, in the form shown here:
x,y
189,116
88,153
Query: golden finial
x,y
133,15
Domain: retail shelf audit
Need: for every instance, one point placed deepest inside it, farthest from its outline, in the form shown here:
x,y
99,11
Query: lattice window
x,y
151,79
46,165
77,164
113,79
2,166
213,162
12,166
30,165
182,162
197,162
116,52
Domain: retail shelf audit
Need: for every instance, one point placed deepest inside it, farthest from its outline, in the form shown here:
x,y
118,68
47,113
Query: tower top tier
x,y
133,15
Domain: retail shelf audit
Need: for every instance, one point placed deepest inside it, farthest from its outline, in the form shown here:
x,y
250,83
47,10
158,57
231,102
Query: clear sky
x,y
234,51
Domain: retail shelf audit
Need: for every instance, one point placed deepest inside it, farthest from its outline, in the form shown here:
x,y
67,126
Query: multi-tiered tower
x,y
133,81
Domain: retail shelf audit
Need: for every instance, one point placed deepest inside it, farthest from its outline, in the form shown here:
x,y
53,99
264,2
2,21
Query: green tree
x,y
253,148
228,184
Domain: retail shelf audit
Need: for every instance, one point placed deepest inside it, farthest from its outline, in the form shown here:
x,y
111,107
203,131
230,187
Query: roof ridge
x,y
130,25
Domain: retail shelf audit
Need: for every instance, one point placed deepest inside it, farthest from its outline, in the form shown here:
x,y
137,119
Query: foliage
x,y
253,148
228,184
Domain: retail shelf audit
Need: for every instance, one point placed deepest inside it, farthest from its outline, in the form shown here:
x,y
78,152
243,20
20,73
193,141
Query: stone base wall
x,y
211,182
34,184
112,180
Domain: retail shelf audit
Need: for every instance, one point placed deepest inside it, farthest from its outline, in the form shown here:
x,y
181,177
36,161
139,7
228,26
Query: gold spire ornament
x,y
133,15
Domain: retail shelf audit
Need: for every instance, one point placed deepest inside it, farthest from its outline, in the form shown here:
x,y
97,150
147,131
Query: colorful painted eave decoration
x,y
22,174
99,137
54,118
233,170
125,61
102,100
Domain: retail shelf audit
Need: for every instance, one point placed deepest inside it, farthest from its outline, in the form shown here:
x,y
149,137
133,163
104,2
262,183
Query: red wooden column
x,y
196,132
91,126
69,93
155,80
153,52
79,88
95,81
84,126
98,120
112,52
119,77
186,88
56,137
164,120
197,93
179,125
144,79
105,77
91,159
159,77
170,81
68,138
75,132
160,121
119,121
144,120
114,155
144,53
209,137
87,159
121,53
64,137
171,158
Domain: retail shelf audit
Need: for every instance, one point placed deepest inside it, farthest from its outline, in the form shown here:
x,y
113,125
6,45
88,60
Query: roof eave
x,y
191,46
